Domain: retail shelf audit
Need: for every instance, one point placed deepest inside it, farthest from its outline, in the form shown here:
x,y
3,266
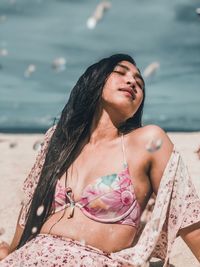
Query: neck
x,y
103,129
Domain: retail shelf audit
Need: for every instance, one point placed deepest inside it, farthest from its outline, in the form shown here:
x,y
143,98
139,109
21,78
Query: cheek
x,y
140,95
109,90
106,93
140,98
113,83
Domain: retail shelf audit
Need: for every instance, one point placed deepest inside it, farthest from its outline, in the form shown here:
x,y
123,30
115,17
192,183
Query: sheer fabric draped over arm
x,y
31,181
177,206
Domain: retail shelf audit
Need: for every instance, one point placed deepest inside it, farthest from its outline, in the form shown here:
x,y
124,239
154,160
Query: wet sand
x,y
17,157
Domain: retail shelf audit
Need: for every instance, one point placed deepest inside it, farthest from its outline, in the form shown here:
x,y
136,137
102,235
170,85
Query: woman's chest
x,y
104,174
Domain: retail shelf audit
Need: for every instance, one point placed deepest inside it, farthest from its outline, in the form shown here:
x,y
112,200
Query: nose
x,y
131,81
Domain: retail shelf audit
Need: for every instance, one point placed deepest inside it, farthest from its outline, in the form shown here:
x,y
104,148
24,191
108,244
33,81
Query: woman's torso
x,y
93,162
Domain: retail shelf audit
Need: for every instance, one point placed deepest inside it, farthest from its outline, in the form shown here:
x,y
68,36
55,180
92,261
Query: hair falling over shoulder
x,y
73,128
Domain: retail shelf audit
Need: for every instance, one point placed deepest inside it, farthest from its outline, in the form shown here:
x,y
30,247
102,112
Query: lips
x,y
129,90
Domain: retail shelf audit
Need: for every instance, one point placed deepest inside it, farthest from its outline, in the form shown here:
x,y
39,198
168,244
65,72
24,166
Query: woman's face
x,y
123,90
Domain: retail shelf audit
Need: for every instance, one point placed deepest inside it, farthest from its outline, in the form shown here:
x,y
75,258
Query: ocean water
x,y
39,31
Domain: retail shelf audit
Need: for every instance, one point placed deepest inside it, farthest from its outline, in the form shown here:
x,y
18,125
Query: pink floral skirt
x,y
50,250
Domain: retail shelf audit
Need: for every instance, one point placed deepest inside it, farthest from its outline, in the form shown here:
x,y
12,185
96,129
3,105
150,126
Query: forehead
x,y
128,66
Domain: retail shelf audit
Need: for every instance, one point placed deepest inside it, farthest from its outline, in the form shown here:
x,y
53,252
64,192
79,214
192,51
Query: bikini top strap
x,y
123,150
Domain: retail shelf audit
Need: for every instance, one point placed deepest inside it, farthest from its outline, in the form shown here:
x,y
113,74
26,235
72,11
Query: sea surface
x,y
34,33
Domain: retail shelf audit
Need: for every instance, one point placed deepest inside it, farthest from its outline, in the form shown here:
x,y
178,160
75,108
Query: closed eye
x,y
120,72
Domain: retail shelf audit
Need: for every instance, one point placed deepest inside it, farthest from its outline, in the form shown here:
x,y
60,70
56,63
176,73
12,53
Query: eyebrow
x,y
137,74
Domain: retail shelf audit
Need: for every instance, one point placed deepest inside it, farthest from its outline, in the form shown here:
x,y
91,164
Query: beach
x,y
46,45
18,154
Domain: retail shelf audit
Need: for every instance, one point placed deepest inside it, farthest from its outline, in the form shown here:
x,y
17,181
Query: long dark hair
x,y
71,131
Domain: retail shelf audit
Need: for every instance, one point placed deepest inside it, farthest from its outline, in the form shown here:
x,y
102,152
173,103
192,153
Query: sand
x,y
17,157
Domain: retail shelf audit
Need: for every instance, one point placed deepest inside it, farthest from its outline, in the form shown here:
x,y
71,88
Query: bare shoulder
x,y
152,130
151,149
152,144
152,135
160,147
157,141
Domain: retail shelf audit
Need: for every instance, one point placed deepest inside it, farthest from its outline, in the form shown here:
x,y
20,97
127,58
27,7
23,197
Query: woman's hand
x,y
4,250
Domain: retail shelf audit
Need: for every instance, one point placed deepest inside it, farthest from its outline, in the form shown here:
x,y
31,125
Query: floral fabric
x,y
55,251
177,206
31,181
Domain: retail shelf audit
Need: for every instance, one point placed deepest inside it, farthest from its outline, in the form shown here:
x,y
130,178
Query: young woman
x,y
94,175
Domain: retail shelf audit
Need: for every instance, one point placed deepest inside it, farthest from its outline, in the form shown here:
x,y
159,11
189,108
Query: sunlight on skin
x,y
4,248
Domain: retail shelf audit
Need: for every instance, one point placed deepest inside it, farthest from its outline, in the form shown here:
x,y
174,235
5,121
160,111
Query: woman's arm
x,y
5,249
159,157
190,234
17,236
176,207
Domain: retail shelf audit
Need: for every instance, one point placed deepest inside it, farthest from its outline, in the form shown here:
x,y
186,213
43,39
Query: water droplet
x,y
40,210
59,64
82,241
91,23
151,69
37,145
198,11
98,14
154,145
34,230
29,71
3,52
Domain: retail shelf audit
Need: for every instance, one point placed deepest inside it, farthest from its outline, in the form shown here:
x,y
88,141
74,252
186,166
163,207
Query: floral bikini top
x,y
110,199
